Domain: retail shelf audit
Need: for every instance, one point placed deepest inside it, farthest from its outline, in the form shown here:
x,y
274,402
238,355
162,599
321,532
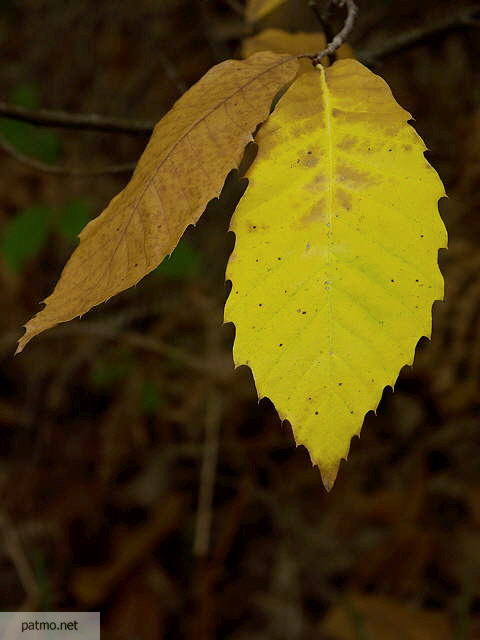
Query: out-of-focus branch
x,y
76,172
465,17
65,120
15,549
139,341
322,17
208,473
236,7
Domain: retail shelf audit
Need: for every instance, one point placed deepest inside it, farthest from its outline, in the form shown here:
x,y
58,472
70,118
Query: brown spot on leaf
x,y
317,182
355,178
347,143
344,199
392,132
307,159
316,214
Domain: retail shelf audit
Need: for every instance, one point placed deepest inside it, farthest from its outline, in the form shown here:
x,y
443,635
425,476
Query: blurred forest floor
x,y
110,426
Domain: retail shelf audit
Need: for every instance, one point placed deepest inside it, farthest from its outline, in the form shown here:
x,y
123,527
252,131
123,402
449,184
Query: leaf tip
x,y
23,341
32,329
329,475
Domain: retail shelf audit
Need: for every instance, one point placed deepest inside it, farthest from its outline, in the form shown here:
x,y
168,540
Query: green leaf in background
x,y
184,262
108,371
25,95
150,398
25,235
32,141
73,217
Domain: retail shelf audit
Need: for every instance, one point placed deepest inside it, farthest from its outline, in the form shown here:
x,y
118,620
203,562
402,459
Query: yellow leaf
x,y
335,267
184,166
258,9
280,41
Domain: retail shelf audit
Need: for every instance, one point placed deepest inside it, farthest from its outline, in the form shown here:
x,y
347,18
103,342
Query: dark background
x,y
110,426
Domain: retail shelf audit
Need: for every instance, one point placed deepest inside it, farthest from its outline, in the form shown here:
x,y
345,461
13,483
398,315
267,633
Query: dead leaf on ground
x,y
376,616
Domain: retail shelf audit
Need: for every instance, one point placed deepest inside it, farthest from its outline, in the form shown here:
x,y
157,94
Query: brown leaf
x,y
184,166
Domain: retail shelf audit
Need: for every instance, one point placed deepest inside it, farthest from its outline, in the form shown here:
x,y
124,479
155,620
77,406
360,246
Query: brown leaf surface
x,y
183,167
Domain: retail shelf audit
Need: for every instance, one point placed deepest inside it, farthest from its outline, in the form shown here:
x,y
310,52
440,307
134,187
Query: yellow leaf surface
x,y
335,266
258,9
184,165
280,41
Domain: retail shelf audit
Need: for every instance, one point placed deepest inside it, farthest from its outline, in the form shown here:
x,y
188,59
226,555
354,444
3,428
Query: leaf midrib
x,y
330,197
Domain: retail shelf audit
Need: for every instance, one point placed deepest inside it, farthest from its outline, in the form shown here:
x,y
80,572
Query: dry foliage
x,y
183,167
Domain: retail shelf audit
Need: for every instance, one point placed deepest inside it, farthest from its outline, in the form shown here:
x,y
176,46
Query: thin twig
x,y
341,36
65,120
77,172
